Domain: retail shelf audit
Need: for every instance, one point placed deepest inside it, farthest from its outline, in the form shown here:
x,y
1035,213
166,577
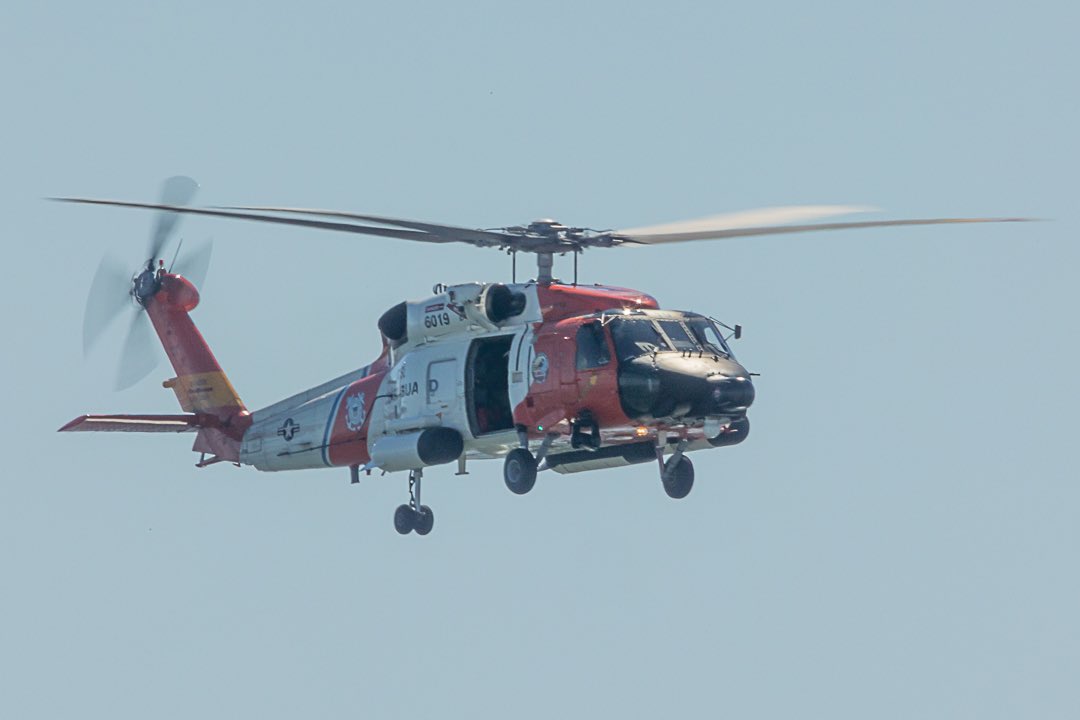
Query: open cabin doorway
x,y
487,384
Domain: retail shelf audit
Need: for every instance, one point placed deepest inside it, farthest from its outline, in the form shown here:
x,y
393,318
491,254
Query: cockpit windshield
x,y
636,336
707,334
678,336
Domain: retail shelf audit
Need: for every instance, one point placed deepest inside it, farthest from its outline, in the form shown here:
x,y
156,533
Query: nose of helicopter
x,y
679,386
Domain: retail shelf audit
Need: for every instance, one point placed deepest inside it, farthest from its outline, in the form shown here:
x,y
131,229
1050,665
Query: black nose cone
x,y
671,385
732,394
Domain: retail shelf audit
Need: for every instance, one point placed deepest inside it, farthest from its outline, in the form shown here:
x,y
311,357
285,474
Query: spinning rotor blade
x,y
109,296
766,221
483,238
194,265
302,222
748,218
736,225
177,190
138,357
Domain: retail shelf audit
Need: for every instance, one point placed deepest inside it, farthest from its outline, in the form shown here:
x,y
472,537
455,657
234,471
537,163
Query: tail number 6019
x,y
434,320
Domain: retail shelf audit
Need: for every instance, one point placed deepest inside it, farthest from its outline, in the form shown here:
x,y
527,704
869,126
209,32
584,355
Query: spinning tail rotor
x,y
115,291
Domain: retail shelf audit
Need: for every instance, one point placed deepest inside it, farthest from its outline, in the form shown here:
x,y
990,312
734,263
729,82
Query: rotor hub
x,y
144,286
546,227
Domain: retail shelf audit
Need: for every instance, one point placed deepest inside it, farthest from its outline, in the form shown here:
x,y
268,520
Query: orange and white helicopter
x,y
542,374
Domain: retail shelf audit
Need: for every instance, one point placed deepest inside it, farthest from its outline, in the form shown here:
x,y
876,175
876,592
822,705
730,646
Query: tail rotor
x,y
139,357
177,190
114,289
110,294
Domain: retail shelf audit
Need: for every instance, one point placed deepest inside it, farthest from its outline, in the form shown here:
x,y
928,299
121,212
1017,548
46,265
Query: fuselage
x,y
601,374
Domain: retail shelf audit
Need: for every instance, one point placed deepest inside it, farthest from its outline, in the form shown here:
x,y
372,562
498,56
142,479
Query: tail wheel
x,y
679,479
519,471
424,520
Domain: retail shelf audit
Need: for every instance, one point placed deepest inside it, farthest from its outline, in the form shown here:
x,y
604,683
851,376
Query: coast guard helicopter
x,y
542,374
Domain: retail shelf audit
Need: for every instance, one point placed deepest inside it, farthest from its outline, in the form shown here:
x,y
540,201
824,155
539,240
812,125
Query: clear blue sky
x,y
898,538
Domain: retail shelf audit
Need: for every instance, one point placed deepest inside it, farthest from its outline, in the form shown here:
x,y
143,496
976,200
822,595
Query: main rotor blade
x,y
109,295
177,190
194,265
657,238
759,217
302,222
461,234
138,357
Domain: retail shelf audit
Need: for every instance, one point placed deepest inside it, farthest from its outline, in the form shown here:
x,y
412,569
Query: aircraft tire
x,y
405,520
519,471
681,480
424,520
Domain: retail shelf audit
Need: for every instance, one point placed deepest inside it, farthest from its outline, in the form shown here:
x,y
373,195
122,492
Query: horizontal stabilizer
x,y
133,423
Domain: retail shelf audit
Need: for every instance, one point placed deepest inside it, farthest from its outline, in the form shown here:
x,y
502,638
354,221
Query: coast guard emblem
x,y
355,412
540,368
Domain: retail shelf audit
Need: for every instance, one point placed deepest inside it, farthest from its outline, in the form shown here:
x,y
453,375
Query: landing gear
x,y
678,478
414,516
677,474
519,471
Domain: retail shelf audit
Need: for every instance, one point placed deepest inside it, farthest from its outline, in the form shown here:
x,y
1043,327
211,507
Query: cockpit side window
x,y
635,337
592,349
707,334
678,336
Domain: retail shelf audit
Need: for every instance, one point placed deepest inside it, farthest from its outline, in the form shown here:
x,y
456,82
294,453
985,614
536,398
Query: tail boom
x,y
200,383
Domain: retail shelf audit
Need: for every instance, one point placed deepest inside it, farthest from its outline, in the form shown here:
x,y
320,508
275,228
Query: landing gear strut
x,y
414,516
519,468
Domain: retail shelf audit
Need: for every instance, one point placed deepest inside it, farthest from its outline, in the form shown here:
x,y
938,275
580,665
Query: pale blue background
x,y
897,539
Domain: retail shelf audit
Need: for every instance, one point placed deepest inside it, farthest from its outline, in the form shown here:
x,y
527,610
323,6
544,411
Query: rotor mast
x,y
545,261
544,238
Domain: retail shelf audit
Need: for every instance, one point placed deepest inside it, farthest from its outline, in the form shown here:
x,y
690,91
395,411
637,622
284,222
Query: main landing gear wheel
x,y
414,516
519,471
679,478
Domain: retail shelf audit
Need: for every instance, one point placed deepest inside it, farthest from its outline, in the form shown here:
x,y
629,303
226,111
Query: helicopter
x,y
542,374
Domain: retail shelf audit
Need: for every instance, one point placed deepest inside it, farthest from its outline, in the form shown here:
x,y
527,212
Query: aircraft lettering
x,y
434,320
408,388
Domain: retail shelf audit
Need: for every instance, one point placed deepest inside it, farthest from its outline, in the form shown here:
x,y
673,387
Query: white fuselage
x,y
430,380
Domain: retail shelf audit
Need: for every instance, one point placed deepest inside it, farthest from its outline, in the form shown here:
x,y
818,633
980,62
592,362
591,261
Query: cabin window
x,y
592,349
